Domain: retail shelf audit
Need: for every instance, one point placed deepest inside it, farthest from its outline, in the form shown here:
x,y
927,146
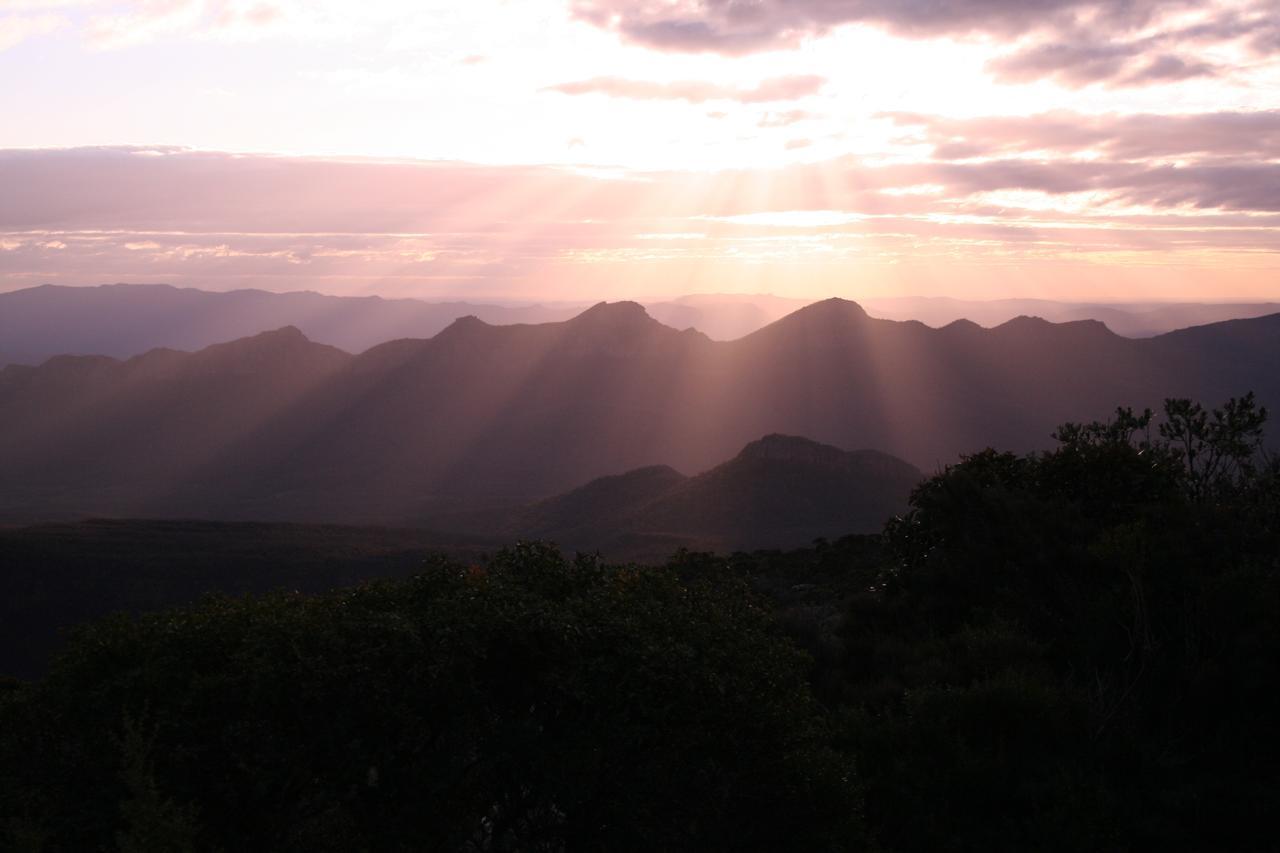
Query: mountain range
x,y
124,320
1128,319
278,427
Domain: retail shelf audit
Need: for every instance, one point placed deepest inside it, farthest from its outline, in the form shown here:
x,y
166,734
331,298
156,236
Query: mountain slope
x,y
783,490
276,427
779,491
93,434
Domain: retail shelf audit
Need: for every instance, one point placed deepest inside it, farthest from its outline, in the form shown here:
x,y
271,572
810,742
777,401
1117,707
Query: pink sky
x,y
598,149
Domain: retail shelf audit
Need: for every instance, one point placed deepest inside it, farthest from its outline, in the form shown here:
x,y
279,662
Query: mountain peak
x,y
835,306
1037,326
615,314
463,325
821,319
961,326
284,333
285,342
283,336
617,326
790,448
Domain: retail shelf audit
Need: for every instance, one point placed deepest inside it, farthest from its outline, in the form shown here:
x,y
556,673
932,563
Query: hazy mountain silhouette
x,y
92,432
1129,319
779,491
278,427
124,320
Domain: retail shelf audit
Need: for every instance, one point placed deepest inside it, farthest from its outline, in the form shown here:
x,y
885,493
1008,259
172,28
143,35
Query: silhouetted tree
x,y
1077,649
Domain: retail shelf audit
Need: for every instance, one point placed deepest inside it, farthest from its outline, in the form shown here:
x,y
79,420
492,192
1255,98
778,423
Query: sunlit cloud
x,y
115,26
1252,134
1079,42
785,118
1085,63
695,91
17,28
286,223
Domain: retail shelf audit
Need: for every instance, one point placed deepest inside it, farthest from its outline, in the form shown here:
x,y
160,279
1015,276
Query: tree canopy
x,y
532,703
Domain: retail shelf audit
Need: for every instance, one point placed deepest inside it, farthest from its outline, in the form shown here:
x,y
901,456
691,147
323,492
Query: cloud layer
x,y
1076,42
1253,135
574,147
695,91
15,29
439,229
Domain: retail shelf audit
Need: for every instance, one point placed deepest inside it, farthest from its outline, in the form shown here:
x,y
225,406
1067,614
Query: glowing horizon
x,y
583,149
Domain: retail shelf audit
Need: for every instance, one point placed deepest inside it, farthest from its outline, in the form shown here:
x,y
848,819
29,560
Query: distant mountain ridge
x,y
123,320
1127,319
278,427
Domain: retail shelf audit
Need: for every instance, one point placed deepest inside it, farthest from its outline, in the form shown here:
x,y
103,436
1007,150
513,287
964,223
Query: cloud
x,y
221,220
735,26
113,24
146,21
1227,134
177,189
786,118
15,29
1232,186
27,6
141,191
1072,64
1076,42
1168,68
695,91
1083,63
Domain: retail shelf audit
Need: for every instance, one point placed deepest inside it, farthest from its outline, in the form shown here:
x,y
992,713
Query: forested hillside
x,y
1070,650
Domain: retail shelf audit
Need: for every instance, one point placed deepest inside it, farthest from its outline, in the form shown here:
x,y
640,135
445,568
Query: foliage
x,y
1078,649
533,703
1070,650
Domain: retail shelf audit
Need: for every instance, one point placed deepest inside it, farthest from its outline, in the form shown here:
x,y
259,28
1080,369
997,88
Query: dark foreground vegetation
x,y
1076,650
56,576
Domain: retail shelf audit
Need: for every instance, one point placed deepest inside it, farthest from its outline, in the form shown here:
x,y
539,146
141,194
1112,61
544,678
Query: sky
x,y
546,150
